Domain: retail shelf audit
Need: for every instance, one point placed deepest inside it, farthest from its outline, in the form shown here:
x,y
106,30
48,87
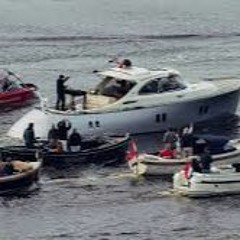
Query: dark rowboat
x,y
100,150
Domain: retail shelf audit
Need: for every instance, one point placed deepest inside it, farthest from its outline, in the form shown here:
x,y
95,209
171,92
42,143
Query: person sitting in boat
x,y
52,134
116,88
63,127
122,89
206,160
199,146
56,146
7,169
29,136
74,141
7,84
167,152
196,165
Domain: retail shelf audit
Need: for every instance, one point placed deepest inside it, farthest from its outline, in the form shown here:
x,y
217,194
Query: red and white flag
x,y
187,169
132,151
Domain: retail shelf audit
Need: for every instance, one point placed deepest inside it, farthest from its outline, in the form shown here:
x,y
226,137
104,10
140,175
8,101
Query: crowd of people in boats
x,y
175,145
59,139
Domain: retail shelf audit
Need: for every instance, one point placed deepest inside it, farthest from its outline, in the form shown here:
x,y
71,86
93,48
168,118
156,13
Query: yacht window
x,y
172,82
161,117
115,87
164,84
150,87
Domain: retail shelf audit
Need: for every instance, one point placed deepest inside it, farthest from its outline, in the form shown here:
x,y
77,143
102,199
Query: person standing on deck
x,y
61,92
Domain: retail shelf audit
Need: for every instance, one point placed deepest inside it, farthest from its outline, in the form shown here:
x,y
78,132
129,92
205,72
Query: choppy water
x,y
41,39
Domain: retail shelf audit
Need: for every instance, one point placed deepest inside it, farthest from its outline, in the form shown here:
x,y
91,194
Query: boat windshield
x,y
9,82
113,87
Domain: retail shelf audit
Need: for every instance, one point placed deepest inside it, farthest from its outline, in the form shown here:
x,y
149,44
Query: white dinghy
x,y
153,164
222,180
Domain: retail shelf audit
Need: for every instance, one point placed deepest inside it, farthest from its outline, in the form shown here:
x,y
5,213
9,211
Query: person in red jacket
x,y
167,152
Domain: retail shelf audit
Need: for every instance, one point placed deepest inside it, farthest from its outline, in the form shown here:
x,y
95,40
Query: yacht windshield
x,y
113,87
9,82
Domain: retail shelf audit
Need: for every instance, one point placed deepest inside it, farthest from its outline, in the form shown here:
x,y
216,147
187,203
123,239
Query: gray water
x,y
41,39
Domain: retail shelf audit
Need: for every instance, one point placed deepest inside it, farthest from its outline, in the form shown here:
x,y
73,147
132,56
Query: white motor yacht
x,y
138,100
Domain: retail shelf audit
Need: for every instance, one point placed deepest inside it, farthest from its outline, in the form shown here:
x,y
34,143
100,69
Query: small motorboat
x,y
221,180
137,100
18,175
97,150
221,148
14,92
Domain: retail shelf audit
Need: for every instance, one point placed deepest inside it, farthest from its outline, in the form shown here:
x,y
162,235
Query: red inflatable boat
x,y
14,92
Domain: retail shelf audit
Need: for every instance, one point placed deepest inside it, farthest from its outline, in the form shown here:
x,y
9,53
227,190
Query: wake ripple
x,y
178,36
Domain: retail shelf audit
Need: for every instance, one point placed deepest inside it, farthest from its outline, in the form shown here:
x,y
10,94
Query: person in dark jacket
x,y
196,165
206,160
53,137
7,169
63,127
29,136
61,92
187,141
53,133
74,141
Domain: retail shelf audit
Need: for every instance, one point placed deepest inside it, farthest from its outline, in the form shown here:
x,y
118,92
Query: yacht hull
x,y
141,119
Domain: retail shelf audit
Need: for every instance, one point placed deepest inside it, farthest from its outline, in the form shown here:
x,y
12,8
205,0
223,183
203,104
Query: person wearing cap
x,y
61,92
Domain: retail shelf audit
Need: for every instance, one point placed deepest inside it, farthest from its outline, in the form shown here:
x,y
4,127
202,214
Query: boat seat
x,y
94,101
